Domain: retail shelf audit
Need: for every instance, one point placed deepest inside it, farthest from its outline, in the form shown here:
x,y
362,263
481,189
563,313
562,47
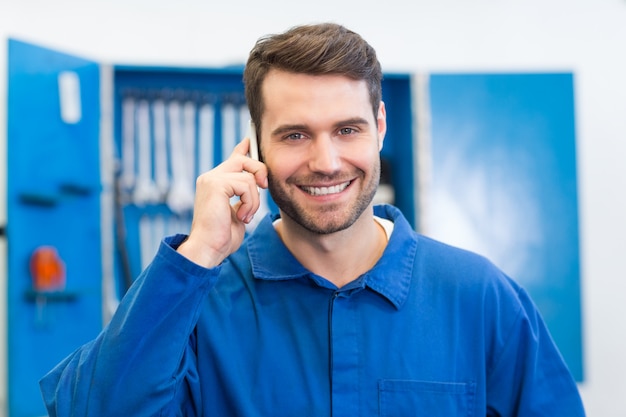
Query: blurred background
x,y
508,138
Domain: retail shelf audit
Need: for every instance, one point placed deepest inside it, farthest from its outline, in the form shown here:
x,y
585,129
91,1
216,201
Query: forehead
x,y
284,91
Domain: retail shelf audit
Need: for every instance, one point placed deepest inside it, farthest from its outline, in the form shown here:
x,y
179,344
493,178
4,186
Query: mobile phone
x,y
254,144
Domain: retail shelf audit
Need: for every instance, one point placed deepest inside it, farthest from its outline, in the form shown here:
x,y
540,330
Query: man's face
x,y
321,145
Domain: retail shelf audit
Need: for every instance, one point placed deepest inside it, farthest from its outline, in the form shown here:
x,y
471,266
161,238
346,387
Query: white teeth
x,y
316,191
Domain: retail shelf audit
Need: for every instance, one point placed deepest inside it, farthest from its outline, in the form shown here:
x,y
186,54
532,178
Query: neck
x,y
340,257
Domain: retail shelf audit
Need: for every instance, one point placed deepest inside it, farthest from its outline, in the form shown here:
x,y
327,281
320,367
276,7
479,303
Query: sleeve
x,y
529,376
144,362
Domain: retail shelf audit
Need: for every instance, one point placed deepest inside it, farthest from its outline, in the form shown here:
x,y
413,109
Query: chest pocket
x,y
404,398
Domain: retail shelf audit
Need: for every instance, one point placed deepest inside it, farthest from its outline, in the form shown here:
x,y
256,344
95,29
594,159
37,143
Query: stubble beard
x,y
332,217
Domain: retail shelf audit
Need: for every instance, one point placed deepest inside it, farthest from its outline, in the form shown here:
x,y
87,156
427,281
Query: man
x,y
333,306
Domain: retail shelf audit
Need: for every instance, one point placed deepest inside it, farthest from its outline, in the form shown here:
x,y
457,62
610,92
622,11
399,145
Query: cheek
x,y
279,166
367,158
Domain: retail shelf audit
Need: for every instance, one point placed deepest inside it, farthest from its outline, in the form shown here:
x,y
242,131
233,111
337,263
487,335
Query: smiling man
x,y
332,307
321,144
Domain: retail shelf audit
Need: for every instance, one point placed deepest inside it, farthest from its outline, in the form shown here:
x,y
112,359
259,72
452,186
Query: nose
x,y
324,156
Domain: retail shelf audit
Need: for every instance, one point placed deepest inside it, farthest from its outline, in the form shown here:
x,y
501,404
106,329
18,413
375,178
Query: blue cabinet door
x,y
504,184
53,200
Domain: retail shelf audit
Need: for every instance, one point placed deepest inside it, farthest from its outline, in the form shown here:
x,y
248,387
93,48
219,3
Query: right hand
x,y
218,228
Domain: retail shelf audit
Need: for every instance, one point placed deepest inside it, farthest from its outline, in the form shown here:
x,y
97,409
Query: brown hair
x,y
320,49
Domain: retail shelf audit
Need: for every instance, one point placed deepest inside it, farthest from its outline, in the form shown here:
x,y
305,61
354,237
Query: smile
x,y
319,191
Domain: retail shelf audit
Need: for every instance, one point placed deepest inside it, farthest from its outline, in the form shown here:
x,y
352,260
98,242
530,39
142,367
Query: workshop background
x,y
514,113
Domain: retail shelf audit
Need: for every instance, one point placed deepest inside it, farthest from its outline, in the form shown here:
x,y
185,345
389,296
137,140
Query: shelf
x,y
51,296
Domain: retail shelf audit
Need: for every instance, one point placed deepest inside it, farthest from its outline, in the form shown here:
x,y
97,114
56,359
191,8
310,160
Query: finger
x,y
243,147
250,165
246,210
242,185
249,202
258,170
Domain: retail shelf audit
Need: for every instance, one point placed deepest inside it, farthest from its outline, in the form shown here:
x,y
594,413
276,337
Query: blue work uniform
x,y
430,330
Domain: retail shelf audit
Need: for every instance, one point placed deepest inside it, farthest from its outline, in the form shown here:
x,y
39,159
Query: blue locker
x,y
503,159
53,200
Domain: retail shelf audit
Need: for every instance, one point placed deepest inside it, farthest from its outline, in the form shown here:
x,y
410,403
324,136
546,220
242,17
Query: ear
x,y
381,118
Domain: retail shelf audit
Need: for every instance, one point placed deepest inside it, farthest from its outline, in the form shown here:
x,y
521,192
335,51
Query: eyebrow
x,y
288,128
360,121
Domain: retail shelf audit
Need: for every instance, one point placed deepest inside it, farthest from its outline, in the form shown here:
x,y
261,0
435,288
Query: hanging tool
x,y
145,190
127,175
206,137
181,195
229,129
161,172
189,139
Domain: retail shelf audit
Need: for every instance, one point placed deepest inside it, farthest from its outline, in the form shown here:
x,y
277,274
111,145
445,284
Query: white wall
x,y
584,36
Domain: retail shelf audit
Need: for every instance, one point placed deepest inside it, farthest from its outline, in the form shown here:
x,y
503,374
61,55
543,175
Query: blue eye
x,y
346,131
294,136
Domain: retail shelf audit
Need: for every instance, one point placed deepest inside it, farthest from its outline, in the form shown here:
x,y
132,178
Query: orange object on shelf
x,y
47,269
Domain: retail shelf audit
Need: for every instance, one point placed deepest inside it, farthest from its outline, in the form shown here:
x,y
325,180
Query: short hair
x,y
319,49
